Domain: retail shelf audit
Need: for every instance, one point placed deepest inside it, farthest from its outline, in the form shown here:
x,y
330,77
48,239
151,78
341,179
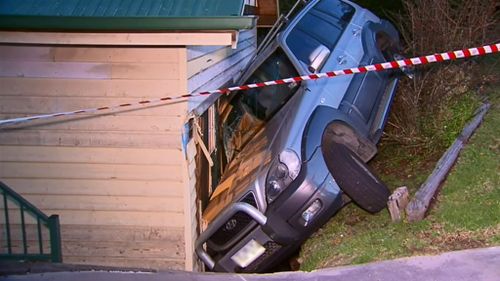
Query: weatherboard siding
x,y
122,182
116,180
211,67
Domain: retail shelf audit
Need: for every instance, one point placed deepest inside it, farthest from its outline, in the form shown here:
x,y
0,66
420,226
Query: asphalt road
x,y
476,264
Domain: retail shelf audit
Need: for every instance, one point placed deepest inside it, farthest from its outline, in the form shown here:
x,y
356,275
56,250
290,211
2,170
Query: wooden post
x,y
397,203
418,206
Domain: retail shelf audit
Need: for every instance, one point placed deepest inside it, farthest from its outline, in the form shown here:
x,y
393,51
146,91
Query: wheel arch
x,y
339,131
328,125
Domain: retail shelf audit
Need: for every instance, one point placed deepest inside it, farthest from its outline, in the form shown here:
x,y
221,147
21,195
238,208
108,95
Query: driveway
x,y
475,264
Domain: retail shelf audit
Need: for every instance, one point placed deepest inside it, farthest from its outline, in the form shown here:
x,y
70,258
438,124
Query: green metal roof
x,y
123,15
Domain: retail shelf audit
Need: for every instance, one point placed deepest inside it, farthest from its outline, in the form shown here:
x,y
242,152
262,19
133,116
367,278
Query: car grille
x,y
237,223
271,248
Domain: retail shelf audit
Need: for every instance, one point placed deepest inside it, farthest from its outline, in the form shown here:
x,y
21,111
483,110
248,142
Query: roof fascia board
x,y
219,38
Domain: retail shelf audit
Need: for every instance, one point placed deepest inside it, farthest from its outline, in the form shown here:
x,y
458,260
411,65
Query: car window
x,y
250,110
323,25
265,102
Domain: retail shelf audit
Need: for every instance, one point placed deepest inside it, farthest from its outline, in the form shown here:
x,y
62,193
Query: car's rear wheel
x,y
355,178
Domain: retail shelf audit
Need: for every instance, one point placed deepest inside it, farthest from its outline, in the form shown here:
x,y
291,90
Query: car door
x,y
368,88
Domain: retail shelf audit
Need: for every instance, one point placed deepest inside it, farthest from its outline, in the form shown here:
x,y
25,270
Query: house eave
x,y
198,38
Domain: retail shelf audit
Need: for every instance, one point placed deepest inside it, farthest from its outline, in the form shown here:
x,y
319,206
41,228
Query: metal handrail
x,y
42,220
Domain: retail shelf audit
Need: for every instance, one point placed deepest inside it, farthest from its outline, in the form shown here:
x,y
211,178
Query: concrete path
x,y
476,265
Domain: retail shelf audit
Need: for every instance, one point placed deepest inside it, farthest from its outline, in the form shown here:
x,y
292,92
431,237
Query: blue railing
x,y
24,240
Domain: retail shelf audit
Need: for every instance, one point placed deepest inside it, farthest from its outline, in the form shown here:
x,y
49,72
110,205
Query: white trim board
x,y
223,38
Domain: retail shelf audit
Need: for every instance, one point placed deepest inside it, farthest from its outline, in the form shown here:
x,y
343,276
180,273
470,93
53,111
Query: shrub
x,y
422,109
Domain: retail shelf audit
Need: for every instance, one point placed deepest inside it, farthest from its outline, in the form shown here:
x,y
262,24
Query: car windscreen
x,y
322,25
250,110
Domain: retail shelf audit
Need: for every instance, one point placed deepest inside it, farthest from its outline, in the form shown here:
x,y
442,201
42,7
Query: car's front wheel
x,y
355,178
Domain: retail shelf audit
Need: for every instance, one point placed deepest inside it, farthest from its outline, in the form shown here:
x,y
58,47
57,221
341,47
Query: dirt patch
x,y
437,240
459,241
353,220
338,260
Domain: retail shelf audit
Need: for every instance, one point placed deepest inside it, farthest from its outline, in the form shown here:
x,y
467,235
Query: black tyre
x,y
355,178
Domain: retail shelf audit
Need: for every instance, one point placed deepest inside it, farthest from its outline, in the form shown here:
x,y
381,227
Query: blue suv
x,y
297,152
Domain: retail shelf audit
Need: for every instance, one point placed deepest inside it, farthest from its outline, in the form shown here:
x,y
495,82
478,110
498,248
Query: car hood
x,y
240,175
253,161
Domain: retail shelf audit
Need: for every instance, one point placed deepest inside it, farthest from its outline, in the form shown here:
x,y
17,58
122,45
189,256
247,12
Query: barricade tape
x,y
436,58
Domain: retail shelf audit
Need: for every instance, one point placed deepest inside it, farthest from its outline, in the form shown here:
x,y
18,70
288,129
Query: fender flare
x,y
327,125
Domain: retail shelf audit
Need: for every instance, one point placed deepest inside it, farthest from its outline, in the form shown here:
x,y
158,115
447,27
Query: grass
x,y
466,214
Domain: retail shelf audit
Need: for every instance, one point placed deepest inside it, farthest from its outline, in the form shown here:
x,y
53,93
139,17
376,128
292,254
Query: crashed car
x,y
297,152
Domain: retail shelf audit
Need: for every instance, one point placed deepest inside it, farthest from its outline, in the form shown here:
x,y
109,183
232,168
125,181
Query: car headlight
x,y
283,171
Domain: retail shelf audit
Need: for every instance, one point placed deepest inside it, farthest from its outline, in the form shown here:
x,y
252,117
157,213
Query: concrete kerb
x,y
474,264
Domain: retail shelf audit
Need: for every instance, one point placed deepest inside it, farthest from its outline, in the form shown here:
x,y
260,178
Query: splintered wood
x,y
397,203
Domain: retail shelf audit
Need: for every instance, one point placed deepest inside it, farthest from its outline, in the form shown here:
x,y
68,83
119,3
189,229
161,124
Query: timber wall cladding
x,y
211,67
115,180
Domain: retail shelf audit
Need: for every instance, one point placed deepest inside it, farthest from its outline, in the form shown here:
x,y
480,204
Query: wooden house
x,y
123,183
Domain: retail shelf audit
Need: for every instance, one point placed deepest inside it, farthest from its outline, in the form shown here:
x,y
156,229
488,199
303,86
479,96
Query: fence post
x,y
55,239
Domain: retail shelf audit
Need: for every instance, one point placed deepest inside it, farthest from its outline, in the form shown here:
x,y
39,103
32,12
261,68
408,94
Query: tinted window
x,y
263,103
249,110
322,25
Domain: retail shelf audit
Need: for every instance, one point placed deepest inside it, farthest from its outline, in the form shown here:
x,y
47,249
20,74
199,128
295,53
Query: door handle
x,y
341,60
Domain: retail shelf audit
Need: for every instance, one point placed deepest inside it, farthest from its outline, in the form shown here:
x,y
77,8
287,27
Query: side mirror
x,y
318,58
408,71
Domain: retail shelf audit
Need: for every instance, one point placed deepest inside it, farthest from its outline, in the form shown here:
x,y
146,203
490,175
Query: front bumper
x,y
257,235
222,219
281,229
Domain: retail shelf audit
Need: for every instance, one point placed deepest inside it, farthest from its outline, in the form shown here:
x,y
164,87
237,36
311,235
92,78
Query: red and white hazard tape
x,y
466,53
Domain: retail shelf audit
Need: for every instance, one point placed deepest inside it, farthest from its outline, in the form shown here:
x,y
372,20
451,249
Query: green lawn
x,y
465,215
